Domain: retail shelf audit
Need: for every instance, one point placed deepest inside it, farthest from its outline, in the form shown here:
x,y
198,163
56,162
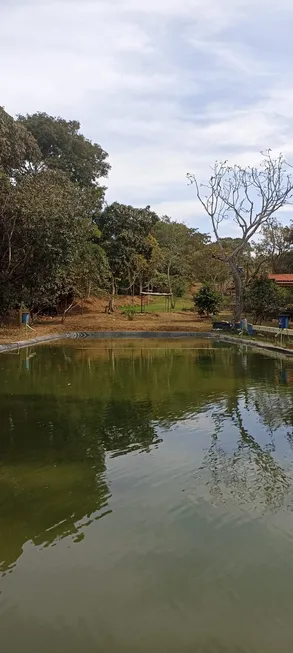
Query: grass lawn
x,y
158,305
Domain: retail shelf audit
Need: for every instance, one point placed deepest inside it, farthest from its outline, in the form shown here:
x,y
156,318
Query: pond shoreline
x,y
145,334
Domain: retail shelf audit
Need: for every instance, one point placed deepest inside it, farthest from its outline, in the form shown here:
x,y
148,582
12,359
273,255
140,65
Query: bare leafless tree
x,y
250,196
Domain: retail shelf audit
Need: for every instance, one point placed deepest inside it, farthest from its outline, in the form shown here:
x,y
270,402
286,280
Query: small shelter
x,y
167,296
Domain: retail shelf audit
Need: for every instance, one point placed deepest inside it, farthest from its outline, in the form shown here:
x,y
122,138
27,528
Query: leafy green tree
x,y
180,286
160,282
49,204
179,245
90,272
208,268
145,266
63,148
45,230
207,301
274,251
264,297
18,147
125,235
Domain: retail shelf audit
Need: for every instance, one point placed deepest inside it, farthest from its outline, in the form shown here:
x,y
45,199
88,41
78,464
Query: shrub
x,y
264,297
207,301
129,312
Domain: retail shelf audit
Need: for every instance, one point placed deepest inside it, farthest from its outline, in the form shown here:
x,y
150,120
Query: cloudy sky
x,y
165,86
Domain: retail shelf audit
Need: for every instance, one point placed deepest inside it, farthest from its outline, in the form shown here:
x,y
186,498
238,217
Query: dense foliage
x,y
265,298
207,301
49,199
59,238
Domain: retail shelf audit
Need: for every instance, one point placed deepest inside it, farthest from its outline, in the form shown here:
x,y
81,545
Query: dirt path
x,y
94,318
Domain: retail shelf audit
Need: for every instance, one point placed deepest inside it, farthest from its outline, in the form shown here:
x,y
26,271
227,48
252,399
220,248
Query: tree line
x,y
60,240
58,236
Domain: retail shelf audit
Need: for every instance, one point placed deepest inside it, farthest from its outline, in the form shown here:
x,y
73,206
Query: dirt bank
x,y
94,318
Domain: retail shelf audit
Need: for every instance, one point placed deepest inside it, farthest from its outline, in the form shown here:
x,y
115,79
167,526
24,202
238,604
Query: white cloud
x,y
165,86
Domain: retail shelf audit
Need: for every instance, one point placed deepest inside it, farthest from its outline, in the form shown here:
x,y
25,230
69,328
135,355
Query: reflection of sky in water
x,y
145,487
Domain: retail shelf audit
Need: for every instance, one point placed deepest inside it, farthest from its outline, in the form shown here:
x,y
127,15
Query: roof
x,y
283,279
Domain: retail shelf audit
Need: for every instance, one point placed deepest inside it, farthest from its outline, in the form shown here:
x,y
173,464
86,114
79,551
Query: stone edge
x,y
256,344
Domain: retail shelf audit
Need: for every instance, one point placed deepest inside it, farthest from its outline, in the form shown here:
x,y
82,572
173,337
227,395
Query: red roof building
x,y
285,280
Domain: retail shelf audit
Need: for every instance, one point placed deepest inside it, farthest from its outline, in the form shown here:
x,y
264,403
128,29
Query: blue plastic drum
x,y
25,318
283,322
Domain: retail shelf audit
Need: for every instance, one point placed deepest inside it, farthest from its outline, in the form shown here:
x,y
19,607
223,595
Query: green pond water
x,y
146,498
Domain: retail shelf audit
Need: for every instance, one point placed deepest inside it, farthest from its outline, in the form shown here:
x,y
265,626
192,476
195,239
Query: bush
x,y
129,312
207,301
264,298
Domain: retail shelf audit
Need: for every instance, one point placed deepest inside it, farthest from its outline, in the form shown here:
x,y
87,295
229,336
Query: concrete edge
x,y
256,344
103,335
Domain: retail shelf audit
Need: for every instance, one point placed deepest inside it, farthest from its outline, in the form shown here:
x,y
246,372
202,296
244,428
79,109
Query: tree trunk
x,y
239,292
111,305
9,253
140,286
170,287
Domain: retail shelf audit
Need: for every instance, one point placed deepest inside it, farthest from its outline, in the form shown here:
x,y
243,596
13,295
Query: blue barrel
x,y
250,330
283,322
25,318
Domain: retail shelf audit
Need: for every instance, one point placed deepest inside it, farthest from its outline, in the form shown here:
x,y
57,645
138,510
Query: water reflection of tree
x,y
53,465
250,474
62,418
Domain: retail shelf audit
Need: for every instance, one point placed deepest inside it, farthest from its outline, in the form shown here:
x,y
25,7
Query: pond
x,y
146,498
